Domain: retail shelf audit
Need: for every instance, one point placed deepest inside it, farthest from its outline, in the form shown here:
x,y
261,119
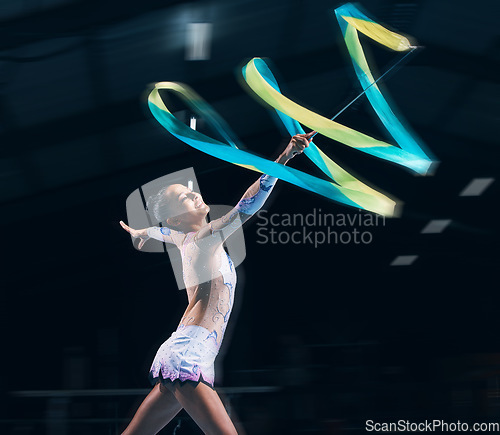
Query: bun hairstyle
x,y
157,205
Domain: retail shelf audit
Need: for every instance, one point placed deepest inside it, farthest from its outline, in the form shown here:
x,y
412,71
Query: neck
x,y
186,227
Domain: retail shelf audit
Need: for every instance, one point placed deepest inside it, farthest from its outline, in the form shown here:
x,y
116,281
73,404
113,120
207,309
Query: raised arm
x,y
163,234
257,194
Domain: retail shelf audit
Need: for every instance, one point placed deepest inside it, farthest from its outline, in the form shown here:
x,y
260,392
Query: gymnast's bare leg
x,y
205,407
162,404
156,411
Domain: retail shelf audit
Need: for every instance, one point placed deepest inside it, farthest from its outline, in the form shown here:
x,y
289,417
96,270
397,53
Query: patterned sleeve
x,y
163,234
248,205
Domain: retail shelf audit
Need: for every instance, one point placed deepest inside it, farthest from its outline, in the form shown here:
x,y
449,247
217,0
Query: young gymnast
x,y
183,369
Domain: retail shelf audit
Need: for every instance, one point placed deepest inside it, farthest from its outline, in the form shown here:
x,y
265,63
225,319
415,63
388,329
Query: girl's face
x,y
186,205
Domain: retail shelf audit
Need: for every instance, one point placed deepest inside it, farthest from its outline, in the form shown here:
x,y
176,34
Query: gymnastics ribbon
x,y
345,188
409,153
349,190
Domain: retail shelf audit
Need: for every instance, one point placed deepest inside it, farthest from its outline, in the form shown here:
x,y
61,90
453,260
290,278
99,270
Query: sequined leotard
x,y
210,280
210,301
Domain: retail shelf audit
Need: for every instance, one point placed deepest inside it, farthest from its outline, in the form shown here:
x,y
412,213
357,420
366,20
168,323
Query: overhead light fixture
x,y
404,260
477,186
436,226
198,39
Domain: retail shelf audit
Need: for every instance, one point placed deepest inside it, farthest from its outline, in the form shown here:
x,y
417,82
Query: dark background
x,y
341,334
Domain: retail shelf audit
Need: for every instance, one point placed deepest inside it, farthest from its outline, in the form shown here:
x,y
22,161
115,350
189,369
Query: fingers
x,y
135,234
306,135
132,232
125,226
310,135
300,143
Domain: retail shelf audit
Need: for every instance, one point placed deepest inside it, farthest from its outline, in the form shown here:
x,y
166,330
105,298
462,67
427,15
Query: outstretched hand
x,y
298,144
143,234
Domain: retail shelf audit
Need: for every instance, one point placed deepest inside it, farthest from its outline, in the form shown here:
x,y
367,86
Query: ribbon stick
x,y
374,83
349,190
409,153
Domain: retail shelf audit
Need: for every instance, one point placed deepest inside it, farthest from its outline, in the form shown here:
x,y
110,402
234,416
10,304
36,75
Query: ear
x,y
173,221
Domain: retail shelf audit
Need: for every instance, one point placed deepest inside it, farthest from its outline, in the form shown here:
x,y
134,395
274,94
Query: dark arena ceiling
x,y
77,137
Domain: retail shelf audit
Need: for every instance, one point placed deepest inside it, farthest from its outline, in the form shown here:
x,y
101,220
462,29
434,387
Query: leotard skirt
x,y
188,355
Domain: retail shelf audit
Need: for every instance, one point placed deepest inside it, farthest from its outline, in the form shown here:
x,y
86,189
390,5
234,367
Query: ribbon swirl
x,y
344,188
